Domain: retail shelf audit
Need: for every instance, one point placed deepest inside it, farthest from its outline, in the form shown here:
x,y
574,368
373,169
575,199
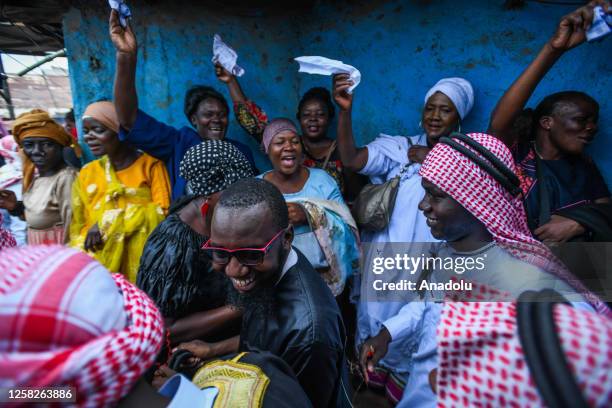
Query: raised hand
x,y
572,28
223,74
341,84
123,39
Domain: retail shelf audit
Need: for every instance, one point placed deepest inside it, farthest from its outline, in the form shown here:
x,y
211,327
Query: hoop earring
x,y
459,127
420,124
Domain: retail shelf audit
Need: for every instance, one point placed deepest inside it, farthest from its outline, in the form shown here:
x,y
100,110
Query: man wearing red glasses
x,y
288,308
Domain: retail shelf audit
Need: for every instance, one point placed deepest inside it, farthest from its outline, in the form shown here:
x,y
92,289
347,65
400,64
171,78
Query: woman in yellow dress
x,y
118,199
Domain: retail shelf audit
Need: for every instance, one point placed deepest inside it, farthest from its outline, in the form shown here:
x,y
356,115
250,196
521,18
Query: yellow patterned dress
x,y
127,205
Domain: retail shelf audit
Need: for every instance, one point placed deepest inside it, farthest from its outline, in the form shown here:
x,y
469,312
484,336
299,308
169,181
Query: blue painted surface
x,y
401,48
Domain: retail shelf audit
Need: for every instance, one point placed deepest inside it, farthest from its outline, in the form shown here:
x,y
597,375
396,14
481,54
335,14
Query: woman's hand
x,y
223,74
341,84
297,215
93,239
123,39
559,229
417,154
8,200
572,28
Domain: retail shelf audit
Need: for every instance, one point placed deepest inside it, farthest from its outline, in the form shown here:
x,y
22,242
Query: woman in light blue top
x,y
325,231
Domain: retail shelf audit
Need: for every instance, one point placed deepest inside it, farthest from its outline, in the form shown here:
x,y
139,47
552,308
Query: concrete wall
x,y
401,47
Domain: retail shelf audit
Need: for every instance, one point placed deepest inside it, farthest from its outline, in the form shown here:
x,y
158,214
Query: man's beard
x,y
258,301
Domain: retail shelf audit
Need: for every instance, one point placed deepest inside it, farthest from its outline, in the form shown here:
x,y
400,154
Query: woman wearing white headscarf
x,y
446,104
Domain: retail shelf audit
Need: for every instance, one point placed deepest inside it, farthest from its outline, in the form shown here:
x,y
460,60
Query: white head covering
x,y
459,91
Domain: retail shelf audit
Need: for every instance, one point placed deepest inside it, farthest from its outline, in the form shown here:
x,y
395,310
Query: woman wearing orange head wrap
x,y
47,181
118,199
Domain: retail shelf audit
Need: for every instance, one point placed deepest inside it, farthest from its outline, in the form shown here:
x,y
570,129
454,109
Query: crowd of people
x,y
170,271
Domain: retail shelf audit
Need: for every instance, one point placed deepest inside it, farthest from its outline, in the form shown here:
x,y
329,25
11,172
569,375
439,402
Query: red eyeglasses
x,y
246,256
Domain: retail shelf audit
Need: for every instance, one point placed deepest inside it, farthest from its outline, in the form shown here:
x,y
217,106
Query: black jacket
x,y
305,329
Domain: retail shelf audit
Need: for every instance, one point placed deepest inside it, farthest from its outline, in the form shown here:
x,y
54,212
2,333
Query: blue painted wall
x,y
401,48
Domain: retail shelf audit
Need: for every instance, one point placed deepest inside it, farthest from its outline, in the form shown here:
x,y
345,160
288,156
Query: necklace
x,y
535,149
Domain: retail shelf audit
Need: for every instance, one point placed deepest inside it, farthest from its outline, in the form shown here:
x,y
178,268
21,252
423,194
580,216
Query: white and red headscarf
x,y
65,320
11,172
7,240
482,363
502,214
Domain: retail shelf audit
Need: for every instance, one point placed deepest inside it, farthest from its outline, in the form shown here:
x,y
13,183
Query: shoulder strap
x,y
544,198
329,153
542,347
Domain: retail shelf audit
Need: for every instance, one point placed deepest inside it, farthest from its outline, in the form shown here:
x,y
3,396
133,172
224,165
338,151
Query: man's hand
x,y
223,74
572,28
559,229
341,84
8,200
417,154
373,350
297,215
93,239
124,40
198,348
161,375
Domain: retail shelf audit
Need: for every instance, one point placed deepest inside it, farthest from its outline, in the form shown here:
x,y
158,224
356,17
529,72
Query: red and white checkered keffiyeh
x,y
65,320
7,240
482,364
503,215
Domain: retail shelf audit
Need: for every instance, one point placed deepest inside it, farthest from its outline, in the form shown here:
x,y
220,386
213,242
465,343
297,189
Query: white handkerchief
x,y
226,56
122,9
326,66
600,25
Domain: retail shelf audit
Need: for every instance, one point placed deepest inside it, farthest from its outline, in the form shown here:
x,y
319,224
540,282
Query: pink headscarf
x,y
501,213
274,128
66,321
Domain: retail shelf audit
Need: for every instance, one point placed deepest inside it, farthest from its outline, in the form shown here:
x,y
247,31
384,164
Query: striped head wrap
x,y
502,213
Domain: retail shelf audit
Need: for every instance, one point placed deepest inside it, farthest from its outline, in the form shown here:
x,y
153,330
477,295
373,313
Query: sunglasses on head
x,y
246,256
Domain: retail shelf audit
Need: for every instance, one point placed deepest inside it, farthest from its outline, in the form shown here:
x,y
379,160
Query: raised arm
x,y
569,34
125,97
232,84
353,158
250,116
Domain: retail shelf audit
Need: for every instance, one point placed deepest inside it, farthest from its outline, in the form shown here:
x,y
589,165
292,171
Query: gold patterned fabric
x,y
240,384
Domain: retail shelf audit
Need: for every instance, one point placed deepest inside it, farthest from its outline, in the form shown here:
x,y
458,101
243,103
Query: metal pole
x,y
5,91
50,57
